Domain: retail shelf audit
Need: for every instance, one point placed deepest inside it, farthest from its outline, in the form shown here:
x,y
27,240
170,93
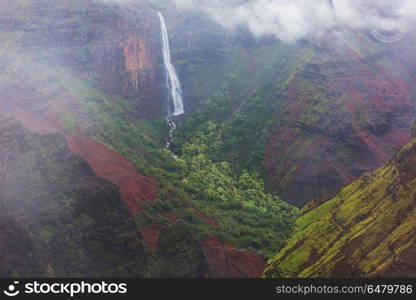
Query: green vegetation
x,y
249,217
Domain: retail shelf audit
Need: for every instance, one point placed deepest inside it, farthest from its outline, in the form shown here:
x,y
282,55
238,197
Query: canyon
x,y
89,189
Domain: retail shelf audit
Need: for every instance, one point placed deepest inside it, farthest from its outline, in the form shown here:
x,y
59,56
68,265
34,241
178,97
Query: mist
x,y
290,20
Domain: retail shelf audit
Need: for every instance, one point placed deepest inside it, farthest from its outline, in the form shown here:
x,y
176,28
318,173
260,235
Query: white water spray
x,y
173,84
175,107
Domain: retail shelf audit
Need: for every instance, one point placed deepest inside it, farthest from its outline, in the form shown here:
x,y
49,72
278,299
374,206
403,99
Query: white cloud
x,y
290,20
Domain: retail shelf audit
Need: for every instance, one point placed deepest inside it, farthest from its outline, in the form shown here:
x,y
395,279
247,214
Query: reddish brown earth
x,y
151,236
135,188
225,261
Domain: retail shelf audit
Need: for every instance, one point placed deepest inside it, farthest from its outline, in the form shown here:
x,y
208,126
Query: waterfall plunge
x,y
173,84
175,108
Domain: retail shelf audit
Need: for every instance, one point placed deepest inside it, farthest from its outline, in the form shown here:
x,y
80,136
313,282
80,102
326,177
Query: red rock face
x,y
226,262
139,72
135,188
344,117
137,59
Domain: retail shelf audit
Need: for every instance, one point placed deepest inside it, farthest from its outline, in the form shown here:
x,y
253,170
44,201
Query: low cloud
x,y
290,20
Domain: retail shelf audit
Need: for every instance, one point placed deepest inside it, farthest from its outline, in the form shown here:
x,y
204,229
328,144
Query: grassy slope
x,y
363,231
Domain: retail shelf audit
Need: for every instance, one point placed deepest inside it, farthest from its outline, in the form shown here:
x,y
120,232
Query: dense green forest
x,y
199,175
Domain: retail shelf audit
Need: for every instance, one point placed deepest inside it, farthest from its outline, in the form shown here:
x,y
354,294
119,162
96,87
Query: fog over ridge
x,y
290,20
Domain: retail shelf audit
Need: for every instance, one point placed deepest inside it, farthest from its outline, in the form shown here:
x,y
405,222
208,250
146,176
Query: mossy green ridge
x,y
367,230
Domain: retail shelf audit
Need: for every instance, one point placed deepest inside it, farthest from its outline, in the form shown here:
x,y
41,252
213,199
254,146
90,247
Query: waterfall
x,y
173,85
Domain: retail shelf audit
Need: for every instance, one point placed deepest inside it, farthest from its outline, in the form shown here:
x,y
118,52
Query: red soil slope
x,y
135,188
225,261
151,236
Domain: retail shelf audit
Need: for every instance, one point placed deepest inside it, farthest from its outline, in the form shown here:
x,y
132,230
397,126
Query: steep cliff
x,y
364,231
